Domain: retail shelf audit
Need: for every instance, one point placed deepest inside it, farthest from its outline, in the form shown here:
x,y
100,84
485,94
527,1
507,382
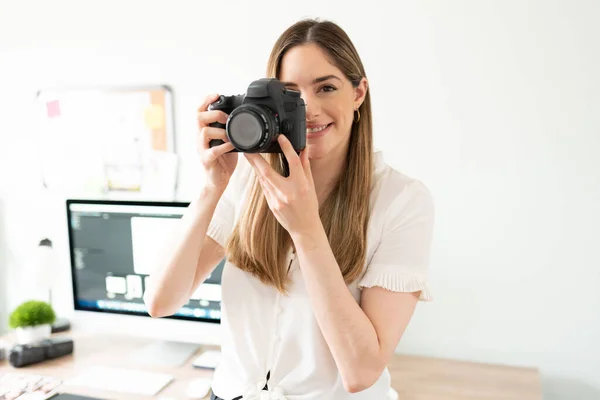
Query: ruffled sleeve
x,y
221,224
401,261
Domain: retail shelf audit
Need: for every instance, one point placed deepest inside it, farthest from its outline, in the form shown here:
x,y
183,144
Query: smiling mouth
x,y
317,129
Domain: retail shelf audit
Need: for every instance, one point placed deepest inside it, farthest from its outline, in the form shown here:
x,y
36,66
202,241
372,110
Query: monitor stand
x,y
164,353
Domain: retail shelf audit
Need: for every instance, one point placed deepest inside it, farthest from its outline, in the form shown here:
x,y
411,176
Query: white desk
x,y
414,378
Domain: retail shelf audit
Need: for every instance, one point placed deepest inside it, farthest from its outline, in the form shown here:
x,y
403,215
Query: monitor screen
x,y
112,245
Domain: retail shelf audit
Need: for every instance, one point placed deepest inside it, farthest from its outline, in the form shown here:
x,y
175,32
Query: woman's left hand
x,y
293,200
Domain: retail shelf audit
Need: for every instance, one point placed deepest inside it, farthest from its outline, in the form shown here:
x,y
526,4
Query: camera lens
x,y
246,130
251,127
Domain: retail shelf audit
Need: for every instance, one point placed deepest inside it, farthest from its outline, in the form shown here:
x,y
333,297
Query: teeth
x,y
319,129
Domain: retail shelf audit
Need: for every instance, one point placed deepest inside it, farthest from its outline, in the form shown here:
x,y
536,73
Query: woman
x,y
324,266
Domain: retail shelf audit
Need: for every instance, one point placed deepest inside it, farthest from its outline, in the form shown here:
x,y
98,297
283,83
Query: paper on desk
x,y
122,380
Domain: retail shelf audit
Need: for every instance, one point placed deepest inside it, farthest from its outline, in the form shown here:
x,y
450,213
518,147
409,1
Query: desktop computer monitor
x,y
112,246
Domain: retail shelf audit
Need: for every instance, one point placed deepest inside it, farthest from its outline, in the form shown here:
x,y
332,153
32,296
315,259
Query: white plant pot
x,y
33,334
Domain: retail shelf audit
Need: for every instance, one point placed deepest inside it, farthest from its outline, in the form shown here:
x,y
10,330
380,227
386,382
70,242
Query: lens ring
x,y
252,128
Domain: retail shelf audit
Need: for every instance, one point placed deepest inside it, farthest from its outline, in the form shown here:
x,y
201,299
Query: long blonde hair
x,y
259,244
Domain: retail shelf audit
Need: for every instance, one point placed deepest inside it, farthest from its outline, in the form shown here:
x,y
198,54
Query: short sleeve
x,y
228,208
400,262
221,224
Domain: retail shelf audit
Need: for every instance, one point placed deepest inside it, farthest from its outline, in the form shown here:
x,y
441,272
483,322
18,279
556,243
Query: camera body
x,y
258,117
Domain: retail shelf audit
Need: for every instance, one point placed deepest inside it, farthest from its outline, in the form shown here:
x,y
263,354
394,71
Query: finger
x,y
306,166
275,191
290,154
262,168
212,154
208,100
208,117
266,192
209,133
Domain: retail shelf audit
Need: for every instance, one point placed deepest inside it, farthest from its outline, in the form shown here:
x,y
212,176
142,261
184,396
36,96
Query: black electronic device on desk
x,y
69,396
22,355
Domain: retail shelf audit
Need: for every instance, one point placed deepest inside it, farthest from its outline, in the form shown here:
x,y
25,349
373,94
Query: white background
x,y
495,105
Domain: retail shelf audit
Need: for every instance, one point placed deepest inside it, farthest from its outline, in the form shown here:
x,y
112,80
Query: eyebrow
x,y
316,80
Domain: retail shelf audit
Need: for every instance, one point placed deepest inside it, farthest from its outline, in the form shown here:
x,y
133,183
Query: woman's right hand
x,y
217,162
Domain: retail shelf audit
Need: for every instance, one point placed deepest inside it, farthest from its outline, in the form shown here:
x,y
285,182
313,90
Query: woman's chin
x,y
315,150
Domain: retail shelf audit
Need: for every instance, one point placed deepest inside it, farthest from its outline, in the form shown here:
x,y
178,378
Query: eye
x,y
328,88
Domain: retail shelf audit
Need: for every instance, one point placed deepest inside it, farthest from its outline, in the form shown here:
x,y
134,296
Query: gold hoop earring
x,y
357,115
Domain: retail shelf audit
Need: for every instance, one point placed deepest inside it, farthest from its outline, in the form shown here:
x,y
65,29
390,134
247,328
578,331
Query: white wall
x,y
3,275
494,104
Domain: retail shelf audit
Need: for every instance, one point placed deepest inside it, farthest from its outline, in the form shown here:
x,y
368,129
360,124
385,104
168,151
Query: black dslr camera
x,y
255,119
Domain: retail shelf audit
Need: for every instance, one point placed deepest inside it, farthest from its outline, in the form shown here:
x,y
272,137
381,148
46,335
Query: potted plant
x,y
33,321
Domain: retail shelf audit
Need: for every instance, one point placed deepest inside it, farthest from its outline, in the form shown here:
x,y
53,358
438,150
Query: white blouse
x,y
264,331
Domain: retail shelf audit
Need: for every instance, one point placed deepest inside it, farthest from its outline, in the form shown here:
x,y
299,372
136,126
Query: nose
x,y
313,107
